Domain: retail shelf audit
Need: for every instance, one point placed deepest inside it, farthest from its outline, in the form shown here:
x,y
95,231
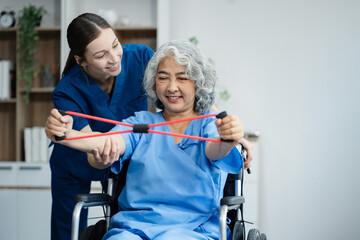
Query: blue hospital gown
x,y
168,186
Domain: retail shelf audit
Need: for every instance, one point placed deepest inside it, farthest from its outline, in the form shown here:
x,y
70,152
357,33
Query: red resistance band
x,y
142,128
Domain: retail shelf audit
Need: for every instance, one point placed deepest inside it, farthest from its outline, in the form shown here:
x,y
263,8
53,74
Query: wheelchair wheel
x,y
238,231
254,234
263,236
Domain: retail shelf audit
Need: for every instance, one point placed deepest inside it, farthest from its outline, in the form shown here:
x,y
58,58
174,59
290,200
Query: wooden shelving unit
x,y
8,106
15,114
139,35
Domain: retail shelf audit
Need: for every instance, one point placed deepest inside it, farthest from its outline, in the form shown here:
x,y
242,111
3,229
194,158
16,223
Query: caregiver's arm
x,y
229,128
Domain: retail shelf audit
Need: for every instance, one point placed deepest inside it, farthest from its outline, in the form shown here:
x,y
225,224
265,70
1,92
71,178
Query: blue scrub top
x,y
77,92
171,186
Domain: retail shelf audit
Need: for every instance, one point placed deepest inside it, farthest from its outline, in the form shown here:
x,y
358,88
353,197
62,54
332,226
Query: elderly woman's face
x,y
174,87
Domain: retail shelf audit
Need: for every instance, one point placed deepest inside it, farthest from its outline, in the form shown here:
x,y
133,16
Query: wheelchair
x,y
231,208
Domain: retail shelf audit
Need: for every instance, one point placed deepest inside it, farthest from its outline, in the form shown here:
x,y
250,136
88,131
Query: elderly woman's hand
x,y
110,154
230,128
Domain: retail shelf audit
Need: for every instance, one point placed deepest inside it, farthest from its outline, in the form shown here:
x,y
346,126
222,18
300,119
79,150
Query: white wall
x,y
292,69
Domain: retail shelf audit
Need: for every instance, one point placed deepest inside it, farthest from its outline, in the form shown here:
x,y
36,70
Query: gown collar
x,y
185,142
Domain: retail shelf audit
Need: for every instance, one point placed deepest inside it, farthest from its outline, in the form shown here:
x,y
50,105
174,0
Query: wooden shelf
x,y
11,29
138,34
40,90
58,28
136,28
48,29
9,100
14,29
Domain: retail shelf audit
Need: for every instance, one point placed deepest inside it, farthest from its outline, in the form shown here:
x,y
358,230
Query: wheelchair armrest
x,y
93,199
232,200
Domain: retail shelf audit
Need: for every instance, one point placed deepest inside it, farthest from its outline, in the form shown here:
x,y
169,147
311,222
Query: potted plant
x,y
29,18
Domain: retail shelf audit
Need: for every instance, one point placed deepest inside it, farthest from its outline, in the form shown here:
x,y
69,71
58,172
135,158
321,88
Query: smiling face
x,y
174,88
102,57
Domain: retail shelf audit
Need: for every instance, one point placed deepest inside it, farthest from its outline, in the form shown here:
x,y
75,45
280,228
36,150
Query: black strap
x,y
62,137
221,116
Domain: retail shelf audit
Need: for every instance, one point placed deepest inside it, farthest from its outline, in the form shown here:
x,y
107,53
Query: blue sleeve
x,y
148,54
231,163
131,141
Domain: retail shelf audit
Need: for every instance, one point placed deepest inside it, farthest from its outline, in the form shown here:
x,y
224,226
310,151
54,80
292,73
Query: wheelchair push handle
x,y
64,136
243,153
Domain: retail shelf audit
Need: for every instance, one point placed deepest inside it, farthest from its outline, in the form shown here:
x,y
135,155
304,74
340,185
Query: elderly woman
x,y
174,184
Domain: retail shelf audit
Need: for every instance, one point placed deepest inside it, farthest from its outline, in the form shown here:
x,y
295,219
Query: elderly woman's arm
x,y
229,128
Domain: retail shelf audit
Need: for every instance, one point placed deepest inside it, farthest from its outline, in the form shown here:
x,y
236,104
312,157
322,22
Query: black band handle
x,y
62,137
221,116
141,128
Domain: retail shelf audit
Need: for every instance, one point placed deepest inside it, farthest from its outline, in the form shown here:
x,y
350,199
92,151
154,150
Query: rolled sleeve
x,y
231,163
117,166
130,140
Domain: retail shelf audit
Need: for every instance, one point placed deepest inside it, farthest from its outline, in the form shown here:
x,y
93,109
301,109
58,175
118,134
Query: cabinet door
x,y
8,214
34,214
34,175
8,177
8,202
34,201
